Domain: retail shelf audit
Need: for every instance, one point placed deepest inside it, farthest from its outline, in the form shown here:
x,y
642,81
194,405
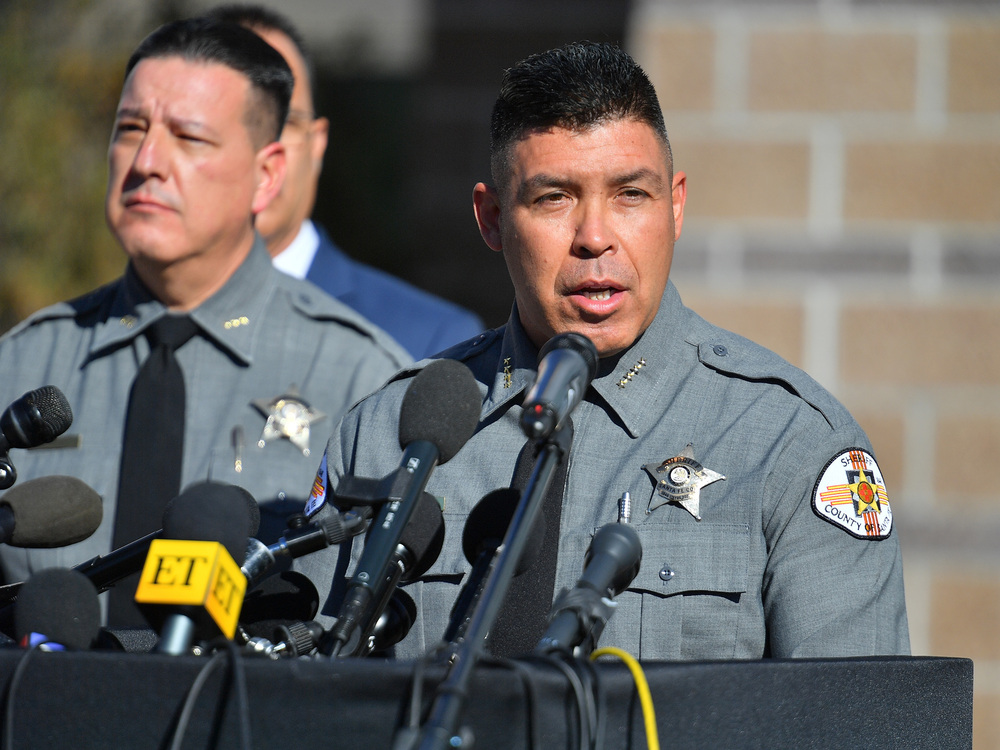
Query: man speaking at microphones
x,y
763,517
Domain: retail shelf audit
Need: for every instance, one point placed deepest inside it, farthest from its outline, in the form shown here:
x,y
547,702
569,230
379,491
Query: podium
x,y
104,699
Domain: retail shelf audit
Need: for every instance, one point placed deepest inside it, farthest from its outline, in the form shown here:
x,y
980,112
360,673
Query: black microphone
x,y
284,598
325,531
566,365
190,586
49,512
579,614
57,609
484,532
104,571
419,546
438,415
38,417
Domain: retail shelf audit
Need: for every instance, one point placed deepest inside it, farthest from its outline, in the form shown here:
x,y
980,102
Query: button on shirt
x,y
261,336
761,574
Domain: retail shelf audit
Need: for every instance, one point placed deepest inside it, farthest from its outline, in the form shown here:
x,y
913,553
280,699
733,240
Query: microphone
x,y
105,571
566,365
282,600
49,512
484,532
439,413
190,586
419,546
325,531
38,417
57,609
579,614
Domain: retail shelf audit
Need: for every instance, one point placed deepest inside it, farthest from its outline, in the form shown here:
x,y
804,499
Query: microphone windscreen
x,y
53,511
441,406
576,342
60,604
423,536
210,512
285,597
487,525
38,417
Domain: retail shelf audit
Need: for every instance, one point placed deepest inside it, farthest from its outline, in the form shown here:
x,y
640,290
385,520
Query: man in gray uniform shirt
x,y
764,519
193,157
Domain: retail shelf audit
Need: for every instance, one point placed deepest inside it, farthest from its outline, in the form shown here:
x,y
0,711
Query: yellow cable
x,y
642,687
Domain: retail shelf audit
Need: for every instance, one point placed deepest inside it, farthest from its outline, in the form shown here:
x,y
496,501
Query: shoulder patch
x,y
317,496
850,493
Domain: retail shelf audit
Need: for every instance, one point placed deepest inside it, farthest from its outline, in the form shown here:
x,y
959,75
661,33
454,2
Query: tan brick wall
x,y
843,170
974,68
810,70
683,66
738,180
923,181
919,344
968,450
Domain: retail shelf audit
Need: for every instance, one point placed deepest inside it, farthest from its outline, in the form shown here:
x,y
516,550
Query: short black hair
x,y
259,18
208,40
576,86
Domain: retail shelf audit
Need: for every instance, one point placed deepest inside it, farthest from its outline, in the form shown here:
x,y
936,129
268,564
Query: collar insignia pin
x,y
632,372
288,416
679,480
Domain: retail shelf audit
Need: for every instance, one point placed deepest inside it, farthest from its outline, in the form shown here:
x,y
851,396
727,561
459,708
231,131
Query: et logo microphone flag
x,y
200,579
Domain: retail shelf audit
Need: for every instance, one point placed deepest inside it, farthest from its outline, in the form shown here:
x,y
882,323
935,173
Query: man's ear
x,y
270,166
486,203
678,196
317,148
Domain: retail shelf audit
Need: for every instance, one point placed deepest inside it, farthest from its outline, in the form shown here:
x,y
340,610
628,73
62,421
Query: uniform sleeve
x,y
827,592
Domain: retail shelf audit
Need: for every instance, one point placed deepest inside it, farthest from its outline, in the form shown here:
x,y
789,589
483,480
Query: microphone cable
x,y
238,678
408,734
642,688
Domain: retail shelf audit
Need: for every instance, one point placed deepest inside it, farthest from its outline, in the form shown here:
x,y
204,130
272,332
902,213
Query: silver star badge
x,y
288,416
679,480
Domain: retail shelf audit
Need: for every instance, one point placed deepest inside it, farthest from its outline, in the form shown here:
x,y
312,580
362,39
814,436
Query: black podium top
x,y
103,700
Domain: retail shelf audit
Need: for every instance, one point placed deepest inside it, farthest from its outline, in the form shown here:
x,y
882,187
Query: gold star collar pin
x,y
679,480
288,416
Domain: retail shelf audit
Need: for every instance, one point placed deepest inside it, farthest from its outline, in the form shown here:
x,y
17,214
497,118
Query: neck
x,y
185,284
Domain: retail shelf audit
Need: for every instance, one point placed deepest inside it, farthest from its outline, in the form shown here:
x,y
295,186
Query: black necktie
x,y
152,451
522,620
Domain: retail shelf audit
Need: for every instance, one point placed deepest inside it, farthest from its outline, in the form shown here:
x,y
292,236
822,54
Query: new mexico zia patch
x,y
851,494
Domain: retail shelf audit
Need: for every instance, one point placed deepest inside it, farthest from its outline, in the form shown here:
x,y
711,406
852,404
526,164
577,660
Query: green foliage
x,y
58,94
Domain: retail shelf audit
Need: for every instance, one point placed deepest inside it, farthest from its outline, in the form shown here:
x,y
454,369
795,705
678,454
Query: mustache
x,y
139,190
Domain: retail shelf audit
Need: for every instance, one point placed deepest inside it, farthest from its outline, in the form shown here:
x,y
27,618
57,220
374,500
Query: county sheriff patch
x,y
851,494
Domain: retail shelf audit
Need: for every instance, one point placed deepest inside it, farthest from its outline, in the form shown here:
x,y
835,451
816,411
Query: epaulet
x,y
740,357
461,352
466,350
313,303
76,308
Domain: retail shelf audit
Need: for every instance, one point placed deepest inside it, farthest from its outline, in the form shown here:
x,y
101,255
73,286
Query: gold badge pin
x,y
288,416
679,480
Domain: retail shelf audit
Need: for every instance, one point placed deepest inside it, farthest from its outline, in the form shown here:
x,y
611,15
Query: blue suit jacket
x,y
421,322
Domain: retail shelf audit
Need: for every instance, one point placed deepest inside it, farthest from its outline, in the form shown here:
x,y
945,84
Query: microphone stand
x,y
449,699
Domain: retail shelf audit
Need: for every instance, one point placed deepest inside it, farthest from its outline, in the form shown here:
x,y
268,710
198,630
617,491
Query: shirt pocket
x,y
685,602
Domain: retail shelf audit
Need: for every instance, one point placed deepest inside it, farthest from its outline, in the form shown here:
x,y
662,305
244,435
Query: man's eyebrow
x,y
541,182
644,174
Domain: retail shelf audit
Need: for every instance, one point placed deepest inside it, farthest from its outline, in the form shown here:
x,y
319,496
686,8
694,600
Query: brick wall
x,y
843,165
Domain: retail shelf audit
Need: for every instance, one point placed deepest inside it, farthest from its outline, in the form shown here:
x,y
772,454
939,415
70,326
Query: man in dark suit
x,y
421,322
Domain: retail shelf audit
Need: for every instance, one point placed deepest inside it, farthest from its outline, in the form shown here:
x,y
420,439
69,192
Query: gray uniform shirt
x,y
262,336
761,574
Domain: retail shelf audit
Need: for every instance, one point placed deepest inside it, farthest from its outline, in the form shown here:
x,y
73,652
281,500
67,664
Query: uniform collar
x,y
638,384
515,369
229,318
634,386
